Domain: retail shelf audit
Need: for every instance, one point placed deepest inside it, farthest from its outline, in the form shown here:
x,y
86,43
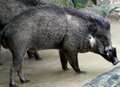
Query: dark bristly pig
x,y
11,8
51,27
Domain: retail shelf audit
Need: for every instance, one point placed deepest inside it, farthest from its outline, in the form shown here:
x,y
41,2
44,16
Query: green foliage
x,y
103,9
62,3
82,3
71,3
106,9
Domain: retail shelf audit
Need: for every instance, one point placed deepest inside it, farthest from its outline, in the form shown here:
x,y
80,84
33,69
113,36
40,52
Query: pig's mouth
x,y
111,56
114,57
115,62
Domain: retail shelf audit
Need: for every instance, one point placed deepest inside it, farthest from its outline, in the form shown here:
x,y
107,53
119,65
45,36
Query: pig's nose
x,y
116,61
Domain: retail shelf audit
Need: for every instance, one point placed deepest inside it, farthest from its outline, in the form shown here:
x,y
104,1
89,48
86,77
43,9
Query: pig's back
x,y
43,27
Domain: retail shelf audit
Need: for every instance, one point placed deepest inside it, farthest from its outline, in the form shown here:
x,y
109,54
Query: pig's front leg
x,y
71,46
73,60
63,59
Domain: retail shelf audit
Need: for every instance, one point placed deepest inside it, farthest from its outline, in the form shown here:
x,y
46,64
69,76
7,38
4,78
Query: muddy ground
x,y
48,72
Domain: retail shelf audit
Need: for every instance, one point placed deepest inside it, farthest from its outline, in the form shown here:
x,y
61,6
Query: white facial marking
x,y
92,40
107,54
69,17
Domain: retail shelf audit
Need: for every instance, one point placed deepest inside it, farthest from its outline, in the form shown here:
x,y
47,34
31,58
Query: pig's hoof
x,y
77,70
83,72
38,58
80,72
13,85
65,69
25,81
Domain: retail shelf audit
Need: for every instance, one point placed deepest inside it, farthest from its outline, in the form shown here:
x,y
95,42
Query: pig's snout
x,y
116,61
113,55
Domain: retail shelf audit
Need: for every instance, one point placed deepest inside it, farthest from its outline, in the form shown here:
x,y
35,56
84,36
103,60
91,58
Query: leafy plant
x,y
103,9
82,3
106,9
62,3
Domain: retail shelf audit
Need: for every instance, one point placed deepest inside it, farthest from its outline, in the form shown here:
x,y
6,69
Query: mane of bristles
x,y
99,20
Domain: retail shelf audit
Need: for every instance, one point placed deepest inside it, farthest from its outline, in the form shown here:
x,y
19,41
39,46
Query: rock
x,y
108,79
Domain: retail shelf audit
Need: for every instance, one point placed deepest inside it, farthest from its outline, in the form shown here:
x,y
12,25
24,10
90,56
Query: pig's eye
x,y
110,50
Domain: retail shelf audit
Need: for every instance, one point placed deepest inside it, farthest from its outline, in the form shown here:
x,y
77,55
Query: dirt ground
x,y
48,72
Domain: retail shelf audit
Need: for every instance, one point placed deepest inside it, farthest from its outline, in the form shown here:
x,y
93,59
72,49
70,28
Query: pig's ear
x,y
92,27
101,22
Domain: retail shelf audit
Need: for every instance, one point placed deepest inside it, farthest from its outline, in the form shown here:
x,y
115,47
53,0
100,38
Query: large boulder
x,y
108,79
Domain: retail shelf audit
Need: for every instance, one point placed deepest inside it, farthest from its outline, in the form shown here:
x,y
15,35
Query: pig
x,y
10,8
52,27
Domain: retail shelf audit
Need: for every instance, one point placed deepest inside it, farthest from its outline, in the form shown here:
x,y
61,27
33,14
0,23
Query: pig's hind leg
x,y
33,54
16,68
